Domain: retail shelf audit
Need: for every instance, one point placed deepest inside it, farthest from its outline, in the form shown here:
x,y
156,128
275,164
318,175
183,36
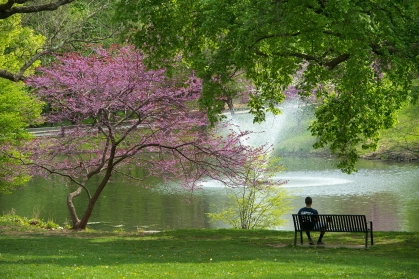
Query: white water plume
x,y
273,129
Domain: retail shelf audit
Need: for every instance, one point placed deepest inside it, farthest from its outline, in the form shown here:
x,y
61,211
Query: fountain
x,y
383,191
377,188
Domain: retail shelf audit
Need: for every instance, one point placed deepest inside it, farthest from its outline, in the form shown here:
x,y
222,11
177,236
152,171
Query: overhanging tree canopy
x,y
361,56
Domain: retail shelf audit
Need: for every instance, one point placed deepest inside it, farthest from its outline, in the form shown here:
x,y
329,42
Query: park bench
x,y
333,223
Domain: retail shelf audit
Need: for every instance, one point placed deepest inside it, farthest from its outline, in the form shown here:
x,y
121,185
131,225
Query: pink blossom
x,y
123,114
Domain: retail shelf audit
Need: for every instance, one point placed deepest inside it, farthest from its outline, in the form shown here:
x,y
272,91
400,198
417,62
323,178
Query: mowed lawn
x,y
224,253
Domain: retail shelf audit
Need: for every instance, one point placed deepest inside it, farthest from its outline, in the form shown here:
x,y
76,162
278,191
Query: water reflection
x,y
385,192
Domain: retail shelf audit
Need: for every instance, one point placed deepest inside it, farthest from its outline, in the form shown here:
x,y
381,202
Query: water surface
x,y
386,192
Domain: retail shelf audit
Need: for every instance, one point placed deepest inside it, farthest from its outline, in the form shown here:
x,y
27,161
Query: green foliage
x,y
402,141
18,109
256,203
23,223
74,25
17,45
254,207
358,57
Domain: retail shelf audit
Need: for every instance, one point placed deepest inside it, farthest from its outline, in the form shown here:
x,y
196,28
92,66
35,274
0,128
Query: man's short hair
x,y
308,200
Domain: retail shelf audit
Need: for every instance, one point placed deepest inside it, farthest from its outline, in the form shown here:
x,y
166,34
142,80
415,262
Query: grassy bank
x,y
400,143
40,253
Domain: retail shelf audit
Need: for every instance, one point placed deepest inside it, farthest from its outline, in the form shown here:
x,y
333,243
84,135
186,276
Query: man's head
x,y
308,201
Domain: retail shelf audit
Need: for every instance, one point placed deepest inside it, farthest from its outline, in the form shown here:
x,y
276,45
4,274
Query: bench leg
x,y
301,236
366,239
372,238
295,238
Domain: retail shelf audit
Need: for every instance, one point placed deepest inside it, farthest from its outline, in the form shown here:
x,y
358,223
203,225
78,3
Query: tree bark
x,y
82,224
74,219
7,9
230,105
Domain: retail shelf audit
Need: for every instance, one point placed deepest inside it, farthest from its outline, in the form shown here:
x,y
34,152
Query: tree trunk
x,y
74,219
82,224
230,105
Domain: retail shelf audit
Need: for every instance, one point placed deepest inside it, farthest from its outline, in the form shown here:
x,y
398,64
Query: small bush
x,y
256,201
11,217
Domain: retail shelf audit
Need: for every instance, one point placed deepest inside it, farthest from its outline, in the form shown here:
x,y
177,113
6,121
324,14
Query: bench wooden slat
x,y
334,223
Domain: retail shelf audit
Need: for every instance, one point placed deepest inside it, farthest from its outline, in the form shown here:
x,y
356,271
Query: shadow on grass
x,y
200,246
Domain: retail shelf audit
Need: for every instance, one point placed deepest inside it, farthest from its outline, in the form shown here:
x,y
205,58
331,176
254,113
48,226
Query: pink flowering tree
x,y
123,114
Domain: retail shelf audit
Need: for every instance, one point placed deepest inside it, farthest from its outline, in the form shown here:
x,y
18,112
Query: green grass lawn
x,y
224,253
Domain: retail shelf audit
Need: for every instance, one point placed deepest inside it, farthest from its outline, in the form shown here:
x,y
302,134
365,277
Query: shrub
x,y
257,201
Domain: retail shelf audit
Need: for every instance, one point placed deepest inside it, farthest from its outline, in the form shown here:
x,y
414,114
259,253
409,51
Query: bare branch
x,y
7,9
51,171
8,75
336,61
128,175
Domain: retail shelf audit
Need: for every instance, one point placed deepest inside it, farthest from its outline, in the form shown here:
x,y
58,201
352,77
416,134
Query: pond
x,y
385,192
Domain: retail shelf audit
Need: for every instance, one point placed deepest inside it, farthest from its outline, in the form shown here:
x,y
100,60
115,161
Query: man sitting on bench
x,y
310,222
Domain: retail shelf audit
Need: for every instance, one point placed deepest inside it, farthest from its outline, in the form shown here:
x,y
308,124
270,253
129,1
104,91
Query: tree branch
x,y
128,175
50,47
331,64
7,9
51,171
336,61
19,76
8,75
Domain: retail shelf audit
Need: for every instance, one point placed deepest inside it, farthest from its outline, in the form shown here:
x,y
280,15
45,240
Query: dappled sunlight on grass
x,y
204,254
